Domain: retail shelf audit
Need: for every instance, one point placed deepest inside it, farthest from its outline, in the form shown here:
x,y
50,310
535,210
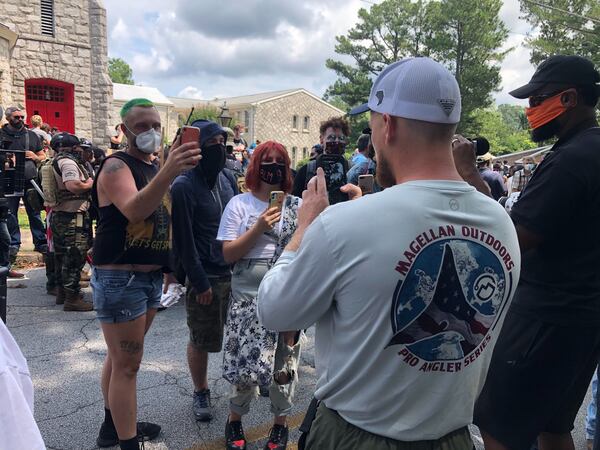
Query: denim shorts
x,y
122,295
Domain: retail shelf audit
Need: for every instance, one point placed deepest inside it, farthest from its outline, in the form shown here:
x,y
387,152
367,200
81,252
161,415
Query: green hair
x,y
135,102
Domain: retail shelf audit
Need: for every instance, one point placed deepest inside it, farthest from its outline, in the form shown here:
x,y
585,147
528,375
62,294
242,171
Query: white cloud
x,y
190,92
213,47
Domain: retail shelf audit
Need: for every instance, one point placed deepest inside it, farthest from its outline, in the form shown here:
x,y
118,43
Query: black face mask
x,y
213,161
335,148
272,173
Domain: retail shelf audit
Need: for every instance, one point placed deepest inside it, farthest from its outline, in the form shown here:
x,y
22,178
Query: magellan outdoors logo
x,y
447,105
380,96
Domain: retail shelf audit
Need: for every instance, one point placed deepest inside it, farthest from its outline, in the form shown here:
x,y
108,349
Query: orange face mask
x,y
549,110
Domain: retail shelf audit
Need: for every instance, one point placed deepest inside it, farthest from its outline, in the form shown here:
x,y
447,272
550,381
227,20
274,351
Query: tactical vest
x,y
53,195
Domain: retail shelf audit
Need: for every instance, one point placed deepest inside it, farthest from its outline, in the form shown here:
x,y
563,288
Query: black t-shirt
x,y
560,279
300,181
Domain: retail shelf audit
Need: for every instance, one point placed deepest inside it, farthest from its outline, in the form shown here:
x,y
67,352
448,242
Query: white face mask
x,y
148,141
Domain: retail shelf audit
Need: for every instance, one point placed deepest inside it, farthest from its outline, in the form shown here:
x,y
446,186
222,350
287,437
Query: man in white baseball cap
x,y
406,321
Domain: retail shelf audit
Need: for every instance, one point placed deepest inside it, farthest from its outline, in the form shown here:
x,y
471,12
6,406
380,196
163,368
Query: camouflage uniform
x,y
72,234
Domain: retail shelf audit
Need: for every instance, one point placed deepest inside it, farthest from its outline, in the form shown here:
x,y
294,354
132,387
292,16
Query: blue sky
x,y
209,48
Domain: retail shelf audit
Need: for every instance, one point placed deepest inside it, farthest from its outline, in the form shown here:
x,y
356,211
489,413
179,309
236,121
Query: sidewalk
x,y
65,352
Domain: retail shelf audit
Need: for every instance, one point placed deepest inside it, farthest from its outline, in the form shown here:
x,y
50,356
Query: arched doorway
x,y
53,100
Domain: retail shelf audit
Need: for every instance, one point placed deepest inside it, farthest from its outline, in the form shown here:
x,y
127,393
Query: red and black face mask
x,y
272,173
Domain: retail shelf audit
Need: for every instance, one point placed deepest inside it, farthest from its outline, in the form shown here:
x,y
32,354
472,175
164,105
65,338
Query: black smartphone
x,y
335,168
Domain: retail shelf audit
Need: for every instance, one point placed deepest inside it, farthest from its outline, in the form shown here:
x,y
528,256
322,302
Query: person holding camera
x,y
254,230
406,322
199,197
131,250
333,134
15,136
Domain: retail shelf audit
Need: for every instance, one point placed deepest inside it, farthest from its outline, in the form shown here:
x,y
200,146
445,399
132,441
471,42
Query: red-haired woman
x,y
254,236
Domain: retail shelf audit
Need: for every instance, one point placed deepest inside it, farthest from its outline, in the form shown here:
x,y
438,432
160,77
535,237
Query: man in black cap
x,y
550,343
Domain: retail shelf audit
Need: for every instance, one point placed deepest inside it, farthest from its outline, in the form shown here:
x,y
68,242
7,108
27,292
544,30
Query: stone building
x,y
54,61
291,117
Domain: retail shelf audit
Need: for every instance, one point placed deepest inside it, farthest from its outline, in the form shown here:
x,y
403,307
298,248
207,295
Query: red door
x,y
53,100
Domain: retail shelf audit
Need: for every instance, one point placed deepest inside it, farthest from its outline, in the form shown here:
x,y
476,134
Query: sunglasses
x,y
19,117
537,100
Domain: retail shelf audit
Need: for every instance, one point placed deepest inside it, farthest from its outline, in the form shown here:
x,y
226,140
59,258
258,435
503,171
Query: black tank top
x,y
119,242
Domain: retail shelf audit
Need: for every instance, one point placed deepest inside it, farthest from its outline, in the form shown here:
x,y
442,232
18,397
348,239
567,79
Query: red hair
x,y
253,173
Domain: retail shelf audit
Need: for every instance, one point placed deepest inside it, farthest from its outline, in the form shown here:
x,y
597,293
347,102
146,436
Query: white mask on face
x,y
148,141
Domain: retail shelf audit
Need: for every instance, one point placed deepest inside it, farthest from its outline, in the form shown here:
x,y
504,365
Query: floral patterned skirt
x,y
249,348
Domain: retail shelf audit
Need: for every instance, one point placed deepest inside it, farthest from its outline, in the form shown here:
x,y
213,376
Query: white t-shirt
x,y
241,213
17,425
408,289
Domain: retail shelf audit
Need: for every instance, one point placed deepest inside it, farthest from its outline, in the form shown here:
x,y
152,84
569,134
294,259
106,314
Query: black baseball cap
x,y
571,70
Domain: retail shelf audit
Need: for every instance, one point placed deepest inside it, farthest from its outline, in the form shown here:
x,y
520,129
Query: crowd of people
x,y
452,290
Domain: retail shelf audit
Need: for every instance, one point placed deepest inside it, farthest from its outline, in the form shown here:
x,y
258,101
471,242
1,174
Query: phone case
x,y
190,134
365,183
335,168
276,199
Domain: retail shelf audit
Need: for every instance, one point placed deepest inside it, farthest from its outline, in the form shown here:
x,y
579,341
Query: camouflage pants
x,y
72,233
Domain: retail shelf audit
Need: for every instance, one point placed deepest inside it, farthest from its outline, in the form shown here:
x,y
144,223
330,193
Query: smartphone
x,y
366,183
276,199
335,168
190,134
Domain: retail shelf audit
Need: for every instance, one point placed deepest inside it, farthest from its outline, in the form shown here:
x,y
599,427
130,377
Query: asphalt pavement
x,y
65,352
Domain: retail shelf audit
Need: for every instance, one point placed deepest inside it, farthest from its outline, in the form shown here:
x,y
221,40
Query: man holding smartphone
x,y
199,197
132,245
406,322
333,134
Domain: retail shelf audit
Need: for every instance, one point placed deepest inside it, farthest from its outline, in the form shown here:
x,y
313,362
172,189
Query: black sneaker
x,y
234,436
278,438
202,405
108,433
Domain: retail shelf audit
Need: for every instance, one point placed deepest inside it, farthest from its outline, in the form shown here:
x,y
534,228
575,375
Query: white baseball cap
x,y
415,88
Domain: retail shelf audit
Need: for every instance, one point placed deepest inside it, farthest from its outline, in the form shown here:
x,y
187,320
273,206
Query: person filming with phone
x,y
255,228
406,322
333,134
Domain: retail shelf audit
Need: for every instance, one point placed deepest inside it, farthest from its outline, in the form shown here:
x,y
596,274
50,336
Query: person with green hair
x,y
131,253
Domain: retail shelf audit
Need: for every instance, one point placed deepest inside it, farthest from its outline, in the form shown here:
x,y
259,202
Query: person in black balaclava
x,y
199,197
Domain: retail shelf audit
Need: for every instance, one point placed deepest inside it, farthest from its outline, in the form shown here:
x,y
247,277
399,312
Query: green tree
x,y
387,32
119,71
505,136
563,27
468,36
465,35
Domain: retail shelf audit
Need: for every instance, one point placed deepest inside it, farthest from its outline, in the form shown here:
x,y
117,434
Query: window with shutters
x,y
294,122
47,17
294,156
